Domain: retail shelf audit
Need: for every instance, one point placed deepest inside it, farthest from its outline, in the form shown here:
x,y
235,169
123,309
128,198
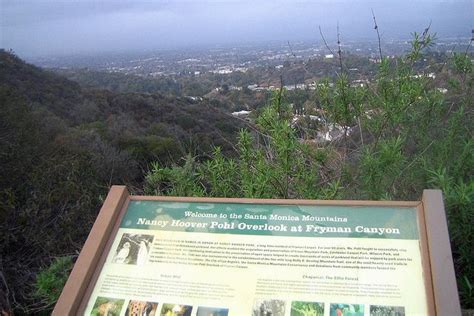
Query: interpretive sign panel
x,y
171,256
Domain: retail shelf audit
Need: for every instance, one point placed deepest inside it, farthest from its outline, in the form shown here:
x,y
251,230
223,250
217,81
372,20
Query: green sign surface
x,y
277,220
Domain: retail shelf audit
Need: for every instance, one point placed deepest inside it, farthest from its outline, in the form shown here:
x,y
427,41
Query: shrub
x,y
51,280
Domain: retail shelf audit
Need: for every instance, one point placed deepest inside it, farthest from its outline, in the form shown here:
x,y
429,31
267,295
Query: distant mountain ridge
x,y
66,99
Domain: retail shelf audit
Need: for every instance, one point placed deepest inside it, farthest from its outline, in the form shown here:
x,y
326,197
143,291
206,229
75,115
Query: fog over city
x,y
54,27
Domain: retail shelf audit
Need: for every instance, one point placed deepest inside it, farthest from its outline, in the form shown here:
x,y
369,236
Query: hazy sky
x,y
57,27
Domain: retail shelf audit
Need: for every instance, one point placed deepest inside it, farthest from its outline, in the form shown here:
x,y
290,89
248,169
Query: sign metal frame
x,y
437,262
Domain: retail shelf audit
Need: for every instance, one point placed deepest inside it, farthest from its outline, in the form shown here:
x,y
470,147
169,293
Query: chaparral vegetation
x,y
64,143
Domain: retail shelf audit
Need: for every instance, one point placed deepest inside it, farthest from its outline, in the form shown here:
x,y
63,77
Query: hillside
x,y
62,146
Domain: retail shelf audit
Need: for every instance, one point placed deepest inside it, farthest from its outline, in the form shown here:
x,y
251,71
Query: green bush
x,y
409,137
51,280
271,163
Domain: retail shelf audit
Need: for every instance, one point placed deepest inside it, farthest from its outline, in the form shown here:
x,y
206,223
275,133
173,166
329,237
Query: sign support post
x,y
86,264
372,256
442,268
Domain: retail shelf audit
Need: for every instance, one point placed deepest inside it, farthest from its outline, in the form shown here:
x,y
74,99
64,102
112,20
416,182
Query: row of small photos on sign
x,y
113,307
301,308
105,306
